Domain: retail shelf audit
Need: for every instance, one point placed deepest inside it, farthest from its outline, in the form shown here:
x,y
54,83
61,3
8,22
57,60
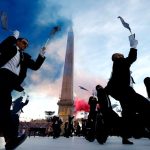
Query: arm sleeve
x,y
35,65
132,55
42,51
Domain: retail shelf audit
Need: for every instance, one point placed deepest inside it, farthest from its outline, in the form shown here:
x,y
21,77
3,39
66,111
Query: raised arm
x,y
132,56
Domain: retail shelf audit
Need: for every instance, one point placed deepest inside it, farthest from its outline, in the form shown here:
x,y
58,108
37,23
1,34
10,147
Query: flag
x,y
114,105
126,25
3,17
81,87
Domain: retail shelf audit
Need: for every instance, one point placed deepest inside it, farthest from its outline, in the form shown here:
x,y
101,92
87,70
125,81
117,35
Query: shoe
x,y
11,145
125,141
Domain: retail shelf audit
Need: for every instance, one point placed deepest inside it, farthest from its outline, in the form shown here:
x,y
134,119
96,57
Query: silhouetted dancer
x,y
90,124
92,102
66,129
147,85
14,63
57,122
112,121
70,125
119,88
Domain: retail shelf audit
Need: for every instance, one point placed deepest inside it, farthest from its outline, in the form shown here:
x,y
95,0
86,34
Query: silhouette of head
x,y
98,87
22,43
92,98
117,56
147,80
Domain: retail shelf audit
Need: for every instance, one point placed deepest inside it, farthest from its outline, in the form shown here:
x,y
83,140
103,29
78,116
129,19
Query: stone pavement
x,y
79,143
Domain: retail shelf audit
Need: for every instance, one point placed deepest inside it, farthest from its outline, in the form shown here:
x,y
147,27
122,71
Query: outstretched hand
x,y
43,50
133,41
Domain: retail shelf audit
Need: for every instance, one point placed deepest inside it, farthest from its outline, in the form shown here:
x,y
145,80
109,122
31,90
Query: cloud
x,y
89,81
98,33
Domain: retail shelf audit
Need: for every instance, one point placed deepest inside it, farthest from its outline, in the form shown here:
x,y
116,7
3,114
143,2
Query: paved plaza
x,y
79,143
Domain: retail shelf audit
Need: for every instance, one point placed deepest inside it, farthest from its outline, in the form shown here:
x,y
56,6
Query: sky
x,y
98,33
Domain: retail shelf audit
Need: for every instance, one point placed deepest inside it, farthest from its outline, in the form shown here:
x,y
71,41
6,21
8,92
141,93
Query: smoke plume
x,y
81,105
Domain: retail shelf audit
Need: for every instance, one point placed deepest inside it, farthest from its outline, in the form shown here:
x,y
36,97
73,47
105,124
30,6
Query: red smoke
x,y
81,105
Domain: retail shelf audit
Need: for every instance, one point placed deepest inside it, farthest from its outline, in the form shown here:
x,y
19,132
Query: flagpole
x,y
131,32
46,43
53,32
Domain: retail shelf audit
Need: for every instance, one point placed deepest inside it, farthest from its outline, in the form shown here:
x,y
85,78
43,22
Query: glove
x,y
23,93
42,52
133,41
27,99
16,34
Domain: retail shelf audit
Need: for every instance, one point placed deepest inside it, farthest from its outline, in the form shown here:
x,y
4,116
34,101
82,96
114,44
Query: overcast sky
x,y
98,33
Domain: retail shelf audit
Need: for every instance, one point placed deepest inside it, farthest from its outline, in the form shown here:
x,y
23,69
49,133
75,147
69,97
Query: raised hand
x,y
133,41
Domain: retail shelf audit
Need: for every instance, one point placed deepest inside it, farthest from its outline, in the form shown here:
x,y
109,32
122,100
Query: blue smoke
x,y
28,16
23,15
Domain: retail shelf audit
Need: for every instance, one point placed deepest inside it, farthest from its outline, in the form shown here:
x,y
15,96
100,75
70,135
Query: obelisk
x,y
66,102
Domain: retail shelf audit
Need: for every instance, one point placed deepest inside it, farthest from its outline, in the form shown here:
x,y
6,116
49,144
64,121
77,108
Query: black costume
x,y
147,85
119,88
92,102
10,81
